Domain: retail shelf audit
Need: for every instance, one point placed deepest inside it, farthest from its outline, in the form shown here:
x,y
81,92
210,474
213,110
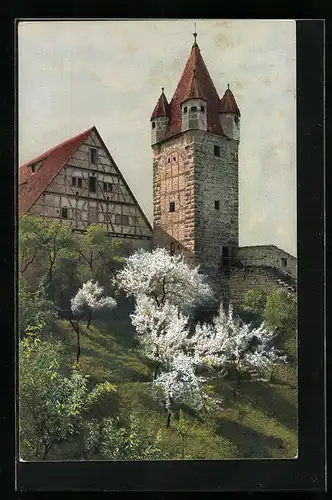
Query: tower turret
x,y
159,119
230,115
194,107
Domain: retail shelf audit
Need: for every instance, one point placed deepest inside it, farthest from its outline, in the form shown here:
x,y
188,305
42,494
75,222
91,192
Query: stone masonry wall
x,y
268,255
240,281
217,180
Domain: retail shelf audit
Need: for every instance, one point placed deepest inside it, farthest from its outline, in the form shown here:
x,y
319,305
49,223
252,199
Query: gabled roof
x,y
162,107
50,163
195,62
228,103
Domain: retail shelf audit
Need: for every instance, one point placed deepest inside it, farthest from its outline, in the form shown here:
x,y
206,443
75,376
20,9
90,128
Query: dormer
x,y
230,115
159,119
194,107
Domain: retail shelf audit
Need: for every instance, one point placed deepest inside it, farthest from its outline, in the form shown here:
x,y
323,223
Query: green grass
x,y
260,422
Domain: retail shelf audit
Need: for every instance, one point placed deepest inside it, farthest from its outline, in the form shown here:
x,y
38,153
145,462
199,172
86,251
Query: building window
x,y
172,206
172,248
216,204
64,213
122,219
153,124
107,186
169,160
79,182
93,156
202,108
185,109
33,168
283,262
73,181
193,108
174,159
216,150
236,119
92,184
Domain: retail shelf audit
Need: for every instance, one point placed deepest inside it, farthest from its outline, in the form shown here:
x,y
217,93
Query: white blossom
x,y
180,384
164,278
91,297
162,331
230,342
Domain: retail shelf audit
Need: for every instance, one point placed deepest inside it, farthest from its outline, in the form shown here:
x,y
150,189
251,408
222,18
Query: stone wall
x,y
241,280
217,183
268,255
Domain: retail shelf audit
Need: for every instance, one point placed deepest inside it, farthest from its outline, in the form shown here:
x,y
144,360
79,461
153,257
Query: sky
x,y
76,74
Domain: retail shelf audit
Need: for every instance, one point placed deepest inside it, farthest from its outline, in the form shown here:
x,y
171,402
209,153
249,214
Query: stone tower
x,y
195,140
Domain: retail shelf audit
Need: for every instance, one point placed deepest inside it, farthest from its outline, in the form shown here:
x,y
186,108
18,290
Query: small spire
x,y
162,90
228,86
195,34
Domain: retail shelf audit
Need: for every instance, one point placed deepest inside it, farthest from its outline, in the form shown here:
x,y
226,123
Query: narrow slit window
x,y
79,182
216,204
172,248
105,186
185,109
283,262
73,181
93,156
64,213
172,206
193,108
202,108
33,168
216,150
92,184
153,124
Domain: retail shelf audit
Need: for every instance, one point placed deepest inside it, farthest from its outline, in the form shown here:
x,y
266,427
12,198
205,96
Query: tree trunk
x,y
77,330
182,454
89,320
168,423
156,372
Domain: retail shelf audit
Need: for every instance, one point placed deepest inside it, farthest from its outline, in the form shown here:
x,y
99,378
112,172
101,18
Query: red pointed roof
x,y
206,88
162,107
32,185
194,90
228,103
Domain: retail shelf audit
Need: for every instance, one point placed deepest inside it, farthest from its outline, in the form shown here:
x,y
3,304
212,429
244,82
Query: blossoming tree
x,y
163,278
91,297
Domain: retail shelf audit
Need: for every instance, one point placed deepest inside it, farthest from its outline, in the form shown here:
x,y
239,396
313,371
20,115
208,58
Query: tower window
x,y
216,204
193,108
73,181
64,213
79,182
33,168
216,150
169,160
283,262
172,206
93,156
185,109
92,184
153,124
172,248
202,108
174,159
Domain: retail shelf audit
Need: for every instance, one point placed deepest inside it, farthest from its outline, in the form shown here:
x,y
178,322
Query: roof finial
x,y
195,34
228,86
162,90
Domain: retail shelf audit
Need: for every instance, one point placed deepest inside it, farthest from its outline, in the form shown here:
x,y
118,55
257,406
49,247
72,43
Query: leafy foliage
x,y
35,310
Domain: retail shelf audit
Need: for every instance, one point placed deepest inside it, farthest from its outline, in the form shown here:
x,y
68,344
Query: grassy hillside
x,y
261,422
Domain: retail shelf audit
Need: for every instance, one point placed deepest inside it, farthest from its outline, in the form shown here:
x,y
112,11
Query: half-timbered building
x,y
78,183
